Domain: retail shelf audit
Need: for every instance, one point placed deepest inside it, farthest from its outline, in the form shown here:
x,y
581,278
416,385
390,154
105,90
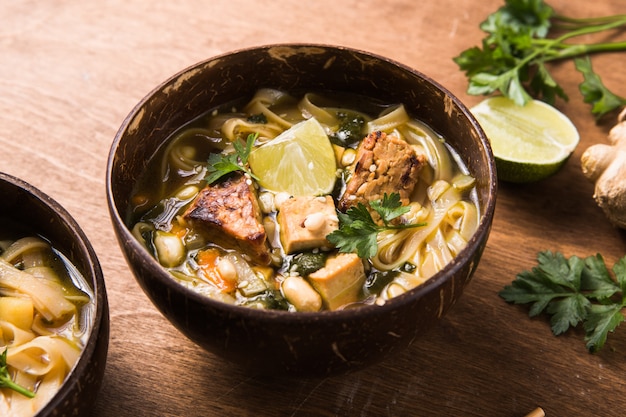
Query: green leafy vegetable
x,y
358,232
220,165
7,382
259,118
573,291
521,38
268,299
306,263
350,130
377,280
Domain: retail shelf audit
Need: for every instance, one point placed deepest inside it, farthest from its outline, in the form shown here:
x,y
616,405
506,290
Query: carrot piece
x,y
178,229
207,261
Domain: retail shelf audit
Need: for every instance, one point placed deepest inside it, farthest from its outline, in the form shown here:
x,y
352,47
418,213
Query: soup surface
x,y
46,313
304,202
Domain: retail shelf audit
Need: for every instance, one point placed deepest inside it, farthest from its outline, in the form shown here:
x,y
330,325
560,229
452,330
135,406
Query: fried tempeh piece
x,y
230,212
384,164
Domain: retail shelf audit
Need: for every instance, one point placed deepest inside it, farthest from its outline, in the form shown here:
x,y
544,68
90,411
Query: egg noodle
x,y
444,197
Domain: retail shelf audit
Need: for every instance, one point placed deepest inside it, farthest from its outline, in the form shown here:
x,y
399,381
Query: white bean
x,y
266,202
226,269
280,198
170,249
348,157
187,192
300,293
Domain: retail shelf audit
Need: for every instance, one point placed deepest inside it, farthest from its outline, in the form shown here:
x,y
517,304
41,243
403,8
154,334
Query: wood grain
x,y
72,70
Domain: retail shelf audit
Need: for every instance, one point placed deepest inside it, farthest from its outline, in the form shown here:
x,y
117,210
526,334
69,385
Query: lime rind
x,y
516,172
529,143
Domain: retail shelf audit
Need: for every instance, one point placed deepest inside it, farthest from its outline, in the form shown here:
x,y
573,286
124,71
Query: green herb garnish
x,y
522,37
358,232
7,382
573,291
220,165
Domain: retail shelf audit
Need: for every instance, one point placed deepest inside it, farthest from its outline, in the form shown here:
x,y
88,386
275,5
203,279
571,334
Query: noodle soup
x,y
46,315
284,228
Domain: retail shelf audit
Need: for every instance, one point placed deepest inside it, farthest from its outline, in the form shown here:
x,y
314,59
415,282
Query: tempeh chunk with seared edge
x,y
384,164
229,210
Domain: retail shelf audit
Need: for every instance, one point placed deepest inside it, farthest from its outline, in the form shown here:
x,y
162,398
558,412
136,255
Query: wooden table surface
x,y
73,69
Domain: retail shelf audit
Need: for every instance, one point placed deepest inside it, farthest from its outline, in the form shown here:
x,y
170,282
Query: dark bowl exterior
x,y
276,341
28,206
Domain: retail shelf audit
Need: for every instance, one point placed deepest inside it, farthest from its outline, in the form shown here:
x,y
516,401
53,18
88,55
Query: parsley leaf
x,y
389,207
601,320
220,165
521,37
596,278
594,92
358,232
356,235
521,16
573,291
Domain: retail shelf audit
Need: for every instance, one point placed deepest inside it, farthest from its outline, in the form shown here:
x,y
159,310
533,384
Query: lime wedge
x,y
529,143
300,161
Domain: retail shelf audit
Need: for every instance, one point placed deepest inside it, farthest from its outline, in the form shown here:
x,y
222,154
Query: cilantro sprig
x,y
573,291
522,37
358,232
7,382
220,165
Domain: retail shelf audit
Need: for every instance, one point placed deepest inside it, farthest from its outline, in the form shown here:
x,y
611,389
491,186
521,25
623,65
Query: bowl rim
x,y
95,278
445,274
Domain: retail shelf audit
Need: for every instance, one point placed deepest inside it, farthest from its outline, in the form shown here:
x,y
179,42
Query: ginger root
x,y
606,166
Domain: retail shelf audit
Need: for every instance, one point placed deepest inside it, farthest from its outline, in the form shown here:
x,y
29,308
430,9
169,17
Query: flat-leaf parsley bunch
x,y
573,291
522,37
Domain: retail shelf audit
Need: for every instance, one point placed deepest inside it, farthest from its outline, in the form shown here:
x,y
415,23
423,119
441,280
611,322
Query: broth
x,y
286,260
46,315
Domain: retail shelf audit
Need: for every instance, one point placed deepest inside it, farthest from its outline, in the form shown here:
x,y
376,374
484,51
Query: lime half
x,y
529,143
300,161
